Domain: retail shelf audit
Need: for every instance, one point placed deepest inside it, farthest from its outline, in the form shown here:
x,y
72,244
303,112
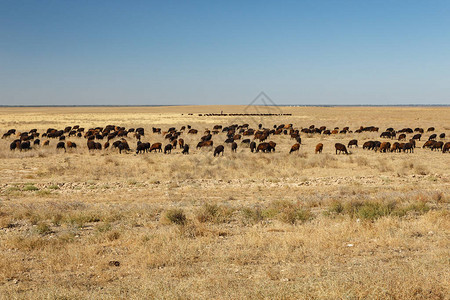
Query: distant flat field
x,y
100,224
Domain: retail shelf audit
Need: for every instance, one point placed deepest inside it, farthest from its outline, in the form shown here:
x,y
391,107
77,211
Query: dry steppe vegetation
x,y
367,225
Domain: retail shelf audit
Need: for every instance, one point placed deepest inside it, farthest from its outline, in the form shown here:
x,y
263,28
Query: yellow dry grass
x,y
300,226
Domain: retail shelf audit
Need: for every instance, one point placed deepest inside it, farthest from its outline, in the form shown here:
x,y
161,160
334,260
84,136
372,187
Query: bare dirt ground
x,y
100,224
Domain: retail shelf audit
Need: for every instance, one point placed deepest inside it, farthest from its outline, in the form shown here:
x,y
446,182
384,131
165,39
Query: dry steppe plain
x,y
369,225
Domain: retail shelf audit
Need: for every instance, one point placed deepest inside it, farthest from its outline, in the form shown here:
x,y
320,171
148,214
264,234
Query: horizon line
x,y
283,105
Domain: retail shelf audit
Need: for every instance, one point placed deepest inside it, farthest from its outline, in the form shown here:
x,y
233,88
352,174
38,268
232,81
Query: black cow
x,y
219,149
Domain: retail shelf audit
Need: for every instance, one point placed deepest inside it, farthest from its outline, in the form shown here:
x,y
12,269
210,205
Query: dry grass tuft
x,y
174,216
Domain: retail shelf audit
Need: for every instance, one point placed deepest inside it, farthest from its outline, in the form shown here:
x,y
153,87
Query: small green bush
x,y
214,214
287,212
255,215
30,187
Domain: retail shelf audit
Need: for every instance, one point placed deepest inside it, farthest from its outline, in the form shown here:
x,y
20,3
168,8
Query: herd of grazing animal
x,y
256,139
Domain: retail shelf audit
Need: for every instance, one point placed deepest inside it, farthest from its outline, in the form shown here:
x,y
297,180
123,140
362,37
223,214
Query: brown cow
x,y
446,147
341,148
264,147
234,147
205,144
319,148
294,148
61,145
272,146
46,142
185,149
395,147
91,145
219,149
353,143
408,147
168,148
181,143
156,146
252,146
428,144
385,147
437,145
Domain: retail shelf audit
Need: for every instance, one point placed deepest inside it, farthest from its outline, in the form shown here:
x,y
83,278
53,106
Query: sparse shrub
x,y
175,216
214,213
80,219
254,215
374,210
419,208
287,212
336,208
193,229
30,187
43,228
104,227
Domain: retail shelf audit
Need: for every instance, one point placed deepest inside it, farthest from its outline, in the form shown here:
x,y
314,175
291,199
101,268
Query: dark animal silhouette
x,y
272,146
446,147
205,144
385,147
428,144
395,147
61,145
155,147
408,147
168,149
341,148
294,148
402,137
417,136
185,149
219,149
437,146
353,143
234,147
142,148
319,148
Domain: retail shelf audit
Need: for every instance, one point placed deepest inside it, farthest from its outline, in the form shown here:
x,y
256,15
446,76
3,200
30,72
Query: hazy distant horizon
x,y
280,105
217,53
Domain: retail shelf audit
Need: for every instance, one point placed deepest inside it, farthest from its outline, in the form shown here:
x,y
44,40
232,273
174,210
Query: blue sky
x,y
224,52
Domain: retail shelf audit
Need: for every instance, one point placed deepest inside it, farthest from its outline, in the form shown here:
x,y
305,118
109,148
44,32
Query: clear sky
x,y
224,52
